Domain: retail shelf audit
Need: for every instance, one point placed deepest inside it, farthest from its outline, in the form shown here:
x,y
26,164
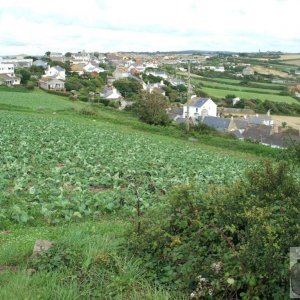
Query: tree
x,y
48,53
25,75
128,87
151,108
68,54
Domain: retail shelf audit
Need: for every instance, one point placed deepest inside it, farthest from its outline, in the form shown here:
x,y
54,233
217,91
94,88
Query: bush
x,y
59,256
151,109
228,242
30,85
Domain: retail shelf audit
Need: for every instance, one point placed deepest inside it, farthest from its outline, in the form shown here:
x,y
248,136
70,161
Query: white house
x,y
161,74
48,83
9,79
110,93
56,72
80,57
18,62
200,107
7,69
154,87
90,68
56,56
40,63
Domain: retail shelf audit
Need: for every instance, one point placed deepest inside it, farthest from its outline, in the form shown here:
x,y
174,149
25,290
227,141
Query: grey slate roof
x,y
237,134
258,119
258,133
40,63
59,68
180,120
199,102
241,123
174,112
216,122
281,139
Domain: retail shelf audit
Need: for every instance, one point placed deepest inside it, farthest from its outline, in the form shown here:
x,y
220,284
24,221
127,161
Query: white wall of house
x,y
50,72
52,84
7,69
90,68
114,95
209,108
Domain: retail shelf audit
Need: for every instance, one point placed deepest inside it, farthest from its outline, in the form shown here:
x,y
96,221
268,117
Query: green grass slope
x,y
74,179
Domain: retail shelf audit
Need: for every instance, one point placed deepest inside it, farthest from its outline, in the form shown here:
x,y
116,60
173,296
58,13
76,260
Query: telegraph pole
x,y
188,98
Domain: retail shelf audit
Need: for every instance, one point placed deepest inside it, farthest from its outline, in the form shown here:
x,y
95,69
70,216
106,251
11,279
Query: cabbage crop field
x,y
54,169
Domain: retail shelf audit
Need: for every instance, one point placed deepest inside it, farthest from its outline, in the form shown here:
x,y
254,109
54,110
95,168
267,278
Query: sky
x,y
34,26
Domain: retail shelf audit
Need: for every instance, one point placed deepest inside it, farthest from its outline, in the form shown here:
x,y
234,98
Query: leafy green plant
x,y
227,242
59,256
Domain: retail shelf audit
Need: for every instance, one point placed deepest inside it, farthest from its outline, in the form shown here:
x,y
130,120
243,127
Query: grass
x,y
221,87
36,100
219,93
237,88
106,270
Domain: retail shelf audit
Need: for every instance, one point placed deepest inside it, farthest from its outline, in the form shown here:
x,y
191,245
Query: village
x,y
163,74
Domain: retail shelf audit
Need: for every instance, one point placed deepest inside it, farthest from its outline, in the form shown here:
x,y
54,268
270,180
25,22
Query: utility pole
x,y
188,98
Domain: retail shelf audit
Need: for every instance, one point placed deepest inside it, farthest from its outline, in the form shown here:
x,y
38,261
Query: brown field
x,y
268,71
289,56
292,62
291,121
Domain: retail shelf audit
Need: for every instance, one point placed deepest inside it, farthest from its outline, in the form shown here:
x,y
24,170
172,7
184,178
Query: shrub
x,y
151,108
228,242
59,256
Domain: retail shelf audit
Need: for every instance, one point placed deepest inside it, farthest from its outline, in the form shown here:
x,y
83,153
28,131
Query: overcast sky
x,y
35,26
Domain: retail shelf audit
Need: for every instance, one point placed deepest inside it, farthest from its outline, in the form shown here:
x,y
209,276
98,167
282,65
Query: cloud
x,y
139,25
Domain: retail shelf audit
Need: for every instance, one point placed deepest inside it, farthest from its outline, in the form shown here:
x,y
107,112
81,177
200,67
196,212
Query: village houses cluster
x,y
259,128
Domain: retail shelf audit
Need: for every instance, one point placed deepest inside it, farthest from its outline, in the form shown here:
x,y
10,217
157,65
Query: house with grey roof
x,y
110,93
259,133
49,83
282,139
9,79
200,107
260,119
55,72
174,112
40,63
220,124
57,56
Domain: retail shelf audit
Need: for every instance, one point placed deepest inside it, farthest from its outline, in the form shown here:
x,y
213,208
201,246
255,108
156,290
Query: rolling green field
x,y
80,181
70,170
34,100
219,93
236,88
221,87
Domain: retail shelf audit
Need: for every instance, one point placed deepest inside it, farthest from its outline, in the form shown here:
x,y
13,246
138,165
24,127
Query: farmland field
x,y
289,56
79,181
237,87
248,95
56,169
295,62
36,100
213,87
